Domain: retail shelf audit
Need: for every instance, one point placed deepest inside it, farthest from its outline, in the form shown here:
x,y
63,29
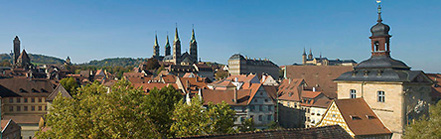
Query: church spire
x,y
193,37
156,47
304,51
167,47
176,33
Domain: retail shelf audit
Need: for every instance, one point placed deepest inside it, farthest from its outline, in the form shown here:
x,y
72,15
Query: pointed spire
x,y
156,39
310,51
304,51
168,43
193,38
379,11
176,33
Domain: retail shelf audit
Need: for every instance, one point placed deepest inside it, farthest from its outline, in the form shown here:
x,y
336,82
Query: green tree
x,y
96,112
194,119
189,119
221,118
426,128
221,74
162,104
247,125
152,64
70,84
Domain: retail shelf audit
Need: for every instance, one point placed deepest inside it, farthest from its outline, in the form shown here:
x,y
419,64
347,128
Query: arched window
x,y
377,44
381,96
353,93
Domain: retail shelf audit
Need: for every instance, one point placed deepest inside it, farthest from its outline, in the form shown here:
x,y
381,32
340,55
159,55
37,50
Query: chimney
x,y
313,89
235,96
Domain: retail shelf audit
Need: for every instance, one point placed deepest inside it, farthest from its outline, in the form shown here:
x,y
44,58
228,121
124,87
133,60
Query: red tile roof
x,y
356,113
318,75
217,96
289,89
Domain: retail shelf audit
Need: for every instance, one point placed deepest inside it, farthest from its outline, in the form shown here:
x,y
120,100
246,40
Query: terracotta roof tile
x,y
318,75
24,119
356,113
217,96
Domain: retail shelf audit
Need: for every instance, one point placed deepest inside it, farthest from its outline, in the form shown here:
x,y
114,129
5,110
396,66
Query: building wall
x,y
315,115
393,112
291,115
18,105
264,109
238,67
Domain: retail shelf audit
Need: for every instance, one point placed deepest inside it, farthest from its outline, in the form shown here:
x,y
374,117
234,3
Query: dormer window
x,y
34,91
370,117
355,117
22,90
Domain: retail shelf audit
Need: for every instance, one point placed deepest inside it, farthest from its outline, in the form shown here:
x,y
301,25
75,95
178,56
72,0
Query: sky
x,y
88,30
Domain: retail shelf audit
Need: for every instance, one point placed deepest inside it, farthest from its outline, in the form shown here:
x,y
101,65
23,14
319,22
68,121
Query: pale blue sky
x,y
279,30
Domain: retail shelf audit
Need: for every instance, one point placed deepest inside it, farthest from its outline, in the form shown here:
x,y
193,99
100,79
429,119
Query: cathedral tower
x,y
176,49
16,50
156,47
167,47
193,47
310,54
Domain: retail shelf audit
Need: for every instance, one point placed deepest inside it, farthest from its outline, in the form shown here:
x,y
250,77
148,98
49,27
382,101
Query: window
x,y
40,108
32,108
11,100
269,117
252,108
353,93
32,100
18,108
381,97
260,108
270,108
18,100
255,100
25,100
11,108
25,108
40,100
260,117
242,119
266,100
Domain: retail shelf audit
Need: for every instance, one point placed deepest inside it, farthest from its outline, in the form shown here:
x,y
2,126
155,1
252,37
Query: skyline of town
x,y
286,28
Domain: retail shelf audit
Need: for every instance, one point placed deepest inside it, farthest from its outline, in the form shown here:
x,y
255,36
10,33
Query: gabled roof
x,y
24,119
325,132
360,118
28,87
57,90
289,89
23,55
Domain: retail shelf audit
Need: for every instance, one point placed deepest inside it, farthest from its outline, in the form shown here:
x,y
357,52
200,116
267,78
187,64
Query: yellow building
x,y
395,93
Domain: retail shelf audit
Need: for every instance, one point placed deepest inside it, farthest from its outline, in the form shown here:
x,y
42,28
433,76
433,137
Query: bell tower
x,y
193,47
380,37
176,48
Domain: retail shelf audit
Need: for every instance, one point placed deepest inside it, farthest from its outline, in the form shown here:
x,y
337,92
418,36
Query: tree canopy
x,y
70,84
426,127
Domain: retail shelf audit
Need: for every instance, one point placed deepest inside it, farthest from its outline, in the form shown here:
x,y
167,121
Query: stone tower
x,y
310,54
167,47
16,50
156,47
193,47
380,37
304,57
176,49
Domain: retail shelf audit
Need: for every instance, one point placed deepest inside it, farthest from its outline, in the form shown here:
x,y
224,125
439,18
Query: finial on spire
x,y
310,51
379,11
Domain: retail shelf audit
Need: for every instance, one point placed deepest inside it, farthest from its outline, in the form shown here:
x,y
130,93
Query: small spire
x,y
310,51
167,40
304,51
379,11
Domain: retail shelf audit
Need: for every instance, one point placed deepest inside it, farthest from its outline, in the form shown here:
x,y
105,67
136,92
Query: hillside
x,y
112,62
37,59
